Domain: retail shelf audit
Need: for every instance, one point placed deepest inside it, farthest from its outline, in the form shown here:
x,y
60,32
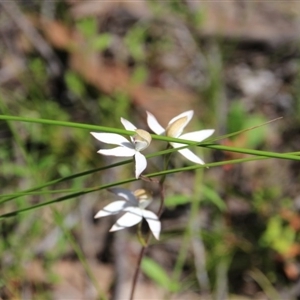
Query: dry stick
x,y
138,266
143,249
159,213
32,34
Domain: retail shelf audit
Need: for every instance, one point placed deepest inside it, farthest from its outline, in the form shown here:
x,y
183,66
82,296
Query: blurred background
x,y
228,232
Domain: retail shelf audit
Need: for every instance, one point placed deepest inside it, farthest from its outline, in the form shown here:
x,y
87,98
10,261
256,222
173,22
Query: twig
x,y
138,267
34,37
48,9
146,242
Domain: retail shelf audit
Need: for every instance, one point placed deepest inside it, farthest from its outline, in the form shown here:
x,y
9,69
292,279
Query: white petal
x,y
127,220
128,125
154,125
153,222
191,156
111,209
188,114
118,151
124,193
110,138
140,164
197,136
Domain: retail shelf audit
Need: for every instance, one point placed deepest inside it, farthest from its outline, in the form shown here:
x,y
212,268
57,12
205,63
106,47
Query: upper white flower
x,y
139,142
175,129
134,207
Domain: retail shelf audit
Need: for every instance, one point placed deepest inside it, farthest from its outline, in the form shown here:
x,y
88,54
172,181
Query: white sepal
x,y
127,220
128,125
197,136
140,164
111,209
154,125
118,151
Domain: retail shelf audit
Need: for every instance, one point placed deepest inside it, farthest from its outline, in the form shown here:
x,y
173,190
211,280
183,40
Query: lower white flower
x,y
175,128
139,142
133,205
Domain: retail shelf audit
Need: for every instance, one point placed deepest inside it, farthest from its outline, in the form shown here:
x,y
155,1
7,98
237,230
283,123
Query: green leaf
x,y
236,117
175,200
212,196
88,26
75,84
209,195
255,137
102,41
140,74
154,271
278,236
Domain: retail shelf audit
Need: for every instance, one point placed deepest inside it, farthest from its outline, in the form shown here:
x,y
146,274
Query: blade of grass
x,y
266,155
80,174
65,124
118,131
264,283
254,152
63,198
226,136
47,192
106,186
55,181
158,137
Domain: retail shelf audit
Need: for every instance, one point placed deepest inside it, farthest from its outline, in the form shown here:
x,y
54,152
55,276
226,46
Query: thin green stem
x,y
115,130
62,179
161,183
196,238
65,124
181,256
254,152
73,195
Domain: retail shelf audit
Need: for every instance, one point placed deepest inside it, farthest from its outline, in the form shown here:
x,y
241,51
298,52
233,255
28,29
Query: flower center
x,y
144,198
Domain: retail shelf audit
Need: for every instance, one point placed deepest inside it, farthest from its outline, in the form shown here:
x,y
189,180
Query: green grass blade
x,y
106,186
165,172
157,137
64,198
291,156
65,124
55,181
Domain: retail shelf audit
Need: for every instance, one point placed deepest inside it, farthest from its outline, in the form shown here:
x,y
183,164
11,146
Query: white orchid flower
x,y
175,129
139,142
134,207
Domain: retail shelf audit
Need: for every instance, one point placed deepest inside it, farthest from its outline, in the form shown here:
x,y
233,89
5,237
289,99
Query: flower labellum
x,y
175,129
140,141
133,204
